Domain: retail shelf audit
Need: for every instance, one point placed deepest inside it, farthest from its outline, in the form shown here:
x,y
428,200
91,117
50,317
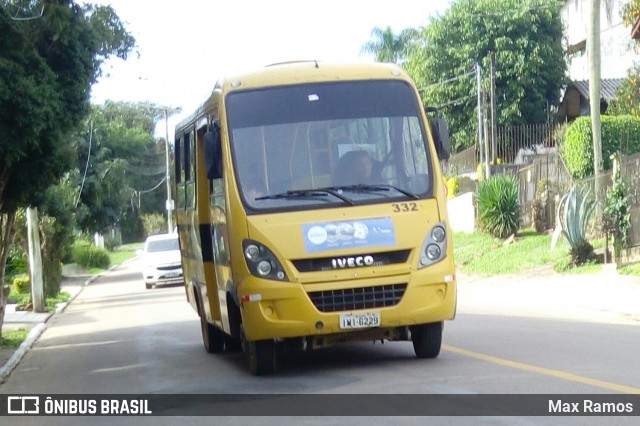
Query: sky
x,y
185,46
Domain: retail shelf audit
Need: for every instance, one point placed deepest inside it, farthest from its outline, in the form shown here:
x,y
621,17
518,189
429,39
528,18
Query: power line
x,y
452,79
86,167
144,191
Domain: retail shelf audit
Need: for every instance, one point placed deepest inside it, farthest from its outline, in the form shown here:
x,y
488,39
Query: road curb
x,y
8,367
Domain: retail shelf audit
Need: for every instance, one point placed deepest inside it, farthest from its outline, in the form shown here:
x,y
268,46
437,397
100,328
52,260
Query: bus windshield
x,y
328,145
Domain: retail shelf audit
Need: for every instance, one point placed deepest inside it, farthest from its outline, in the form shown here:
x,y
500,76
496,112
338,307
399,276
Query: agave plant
x,y
574,212
498,208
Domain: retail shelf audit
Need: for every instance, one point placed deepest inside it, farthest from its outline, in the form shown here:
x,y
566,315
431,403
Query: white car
x,y
161,262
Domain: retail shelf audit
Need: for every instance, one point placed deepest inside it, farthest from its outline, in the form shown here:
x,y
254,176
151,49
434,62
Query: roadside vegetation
x,y
85,259
479,253
11,339
484,254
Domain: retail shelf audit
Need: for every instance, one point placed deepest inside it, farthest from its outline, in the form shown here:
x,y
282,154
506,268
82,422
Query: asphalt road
x,y
118,338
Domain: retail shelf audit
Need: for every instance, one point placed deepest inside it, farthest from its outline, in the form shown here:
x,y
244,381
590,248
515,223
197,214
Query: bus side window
x,y
180,144
213,152
176,162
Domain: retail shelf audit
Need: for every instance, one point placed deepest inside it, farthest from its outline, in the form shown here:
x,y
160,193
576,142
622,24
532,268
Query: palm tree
x,y
388,47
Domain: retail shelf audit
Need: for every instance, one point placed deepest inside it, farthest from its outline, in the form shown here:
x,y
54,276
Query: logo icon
x,y
23,405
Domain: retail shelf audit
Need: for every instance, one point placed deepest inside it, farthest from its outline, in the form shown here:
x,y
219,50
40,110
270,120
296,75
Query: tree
x,y
120,164
631,13
628,93
388,47
526,36
47,66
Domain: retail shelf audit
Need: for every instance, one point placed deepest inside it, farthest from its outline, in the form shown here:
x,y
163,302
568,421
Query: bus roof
x,y
299,72
310,71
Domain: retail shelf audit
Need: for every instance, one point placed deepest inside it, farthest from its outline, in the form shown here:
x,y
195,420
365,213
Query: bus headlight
x,y
251,252
434,248
264,268
262,262
439,234
433,252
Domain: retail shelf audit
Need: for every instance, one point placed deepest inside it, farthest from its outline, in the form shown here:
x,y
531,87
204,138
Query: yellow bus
x,y
311,210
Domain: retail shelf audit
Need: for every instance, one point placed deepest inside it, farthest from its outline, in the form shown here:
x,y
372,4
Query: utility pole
x,y
480,131
494,110
169,203
593,50
35,260
167,177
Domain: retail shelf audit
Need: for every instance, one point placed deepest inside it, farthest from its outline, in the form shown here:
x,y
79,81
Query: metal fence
x,y
546,173
515,145
530,153
520,144
629,168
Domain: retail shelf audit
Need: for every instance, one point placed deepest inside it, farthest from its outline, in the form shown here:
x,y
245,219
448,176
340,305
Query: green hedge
x,y
619,133
89,256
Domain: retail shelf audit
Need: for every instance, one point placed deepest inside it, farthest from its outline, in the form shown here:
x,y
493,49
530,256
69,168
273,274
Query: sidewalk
x,y
601,297
72,282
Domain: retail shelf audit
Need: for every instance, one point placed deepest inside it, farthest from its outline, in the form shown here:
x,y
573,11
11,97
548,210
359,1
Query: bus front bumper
x,y
286,310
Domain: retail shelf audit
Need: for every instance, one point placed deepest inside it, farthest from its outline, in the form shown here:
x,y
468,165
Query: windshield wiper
x,y
305,193
361,187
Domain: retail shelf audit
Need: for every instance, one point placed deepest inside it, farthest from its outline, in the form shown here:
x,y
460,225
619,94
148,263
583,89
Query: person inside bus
x,y
356,167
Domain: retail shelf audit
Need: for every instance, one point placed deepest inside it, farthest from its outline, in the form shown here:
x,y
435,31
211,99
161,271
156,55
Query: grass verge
x,y
124,253
11,339
632,269
482,254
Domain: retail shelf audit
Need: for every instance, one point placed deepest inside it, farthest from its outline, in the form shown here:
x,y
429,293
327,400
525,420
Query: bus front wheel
x,y
427,339
261,355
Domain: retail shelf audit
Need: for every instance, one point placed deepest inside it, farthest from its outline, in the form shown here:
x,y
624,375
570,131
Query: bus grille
x,y
352,299
325,263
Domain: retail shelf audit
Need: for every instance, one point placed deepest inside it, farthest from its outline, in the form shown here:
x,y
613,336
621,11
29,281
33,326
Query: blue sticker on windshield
x,y
325,236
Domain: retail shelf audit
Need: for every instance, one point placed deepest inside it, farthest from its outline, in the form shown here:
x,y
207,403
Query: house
x,y
617,47
575,100
617,55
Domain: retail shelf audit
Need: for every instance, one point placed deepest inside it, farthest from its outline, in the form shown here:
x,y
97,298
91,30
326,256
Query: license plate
x,y
360,320
171,274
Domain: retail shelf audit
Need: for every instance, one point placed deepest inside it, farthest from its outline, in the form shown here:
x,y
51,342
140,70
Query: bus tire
x,y
212,336
233,340
427,339
232,344
262,357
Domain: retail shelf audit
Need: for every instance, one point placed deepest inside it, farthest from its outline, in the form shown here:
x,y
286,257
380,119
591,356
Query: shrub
x,y
498,208
453,186
20,290
111,243
574,212
153,223
89,256
17,263
617,219
619,133
22,284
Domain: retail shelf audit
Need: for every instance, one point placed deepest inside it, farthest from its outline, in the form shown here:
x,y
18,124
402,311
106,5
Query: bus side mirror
x,y
213,152
440,133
